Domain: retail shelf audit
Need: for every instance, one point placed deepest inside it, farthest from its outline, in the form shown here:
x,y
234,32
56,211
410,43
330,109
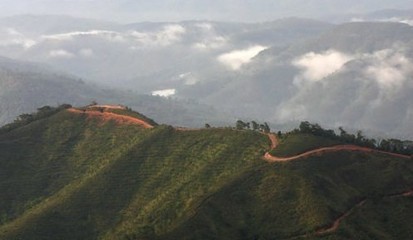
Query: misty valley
x,y
173,120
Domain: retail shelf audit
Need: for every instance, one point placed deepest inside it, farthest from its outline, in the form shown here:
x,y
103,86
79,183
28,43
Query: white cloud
x,y
374,91
164,92
316,66
205,26
235,59
390,68
357,20
11,37
86,52
169,34
60,53
111,35
209,39
399,20
291,111
188,78
408,21
24,43
210,43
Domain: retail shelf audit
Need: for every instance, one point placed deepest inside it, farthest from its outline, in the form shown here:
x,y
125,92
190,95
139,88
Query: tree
x,y
359,137
305,127
266,128
45,109
207,125
93,103
255,125
240,125
384,145
25,117
342,132
65,106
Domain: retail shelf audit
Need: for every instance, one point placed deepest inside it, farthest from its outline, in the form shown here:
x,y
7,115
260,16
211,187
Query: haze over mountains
x,y
138,140
353,71
24,87
178,10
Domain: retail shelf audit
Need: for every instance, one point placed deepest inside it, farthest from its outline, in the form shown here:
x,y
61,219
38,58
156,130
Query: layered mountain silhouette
x,y
24,86
276,70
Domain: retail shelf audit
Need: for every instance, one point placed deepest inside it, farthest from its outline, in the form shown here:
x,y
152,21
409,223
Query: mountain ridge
x,y
160,181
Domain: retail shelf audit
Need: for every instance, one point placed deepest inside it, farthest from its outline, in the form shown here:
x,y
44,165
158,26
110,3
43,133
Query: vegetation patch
x,y
297,143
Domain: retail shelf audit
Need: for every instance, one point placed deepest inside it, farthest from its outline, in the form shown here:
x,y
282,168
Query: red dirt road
x,y
336,223
274,142
108,116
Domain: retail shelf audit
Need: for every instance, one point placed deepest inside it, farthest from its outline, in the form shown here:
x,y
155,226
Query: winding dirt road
x,y
338,221
319,151
108,116
274,142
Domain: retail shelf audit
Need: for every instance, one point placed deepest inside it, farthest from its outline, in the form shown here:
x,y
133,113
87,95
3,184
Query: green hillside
x,y
73,176
294,144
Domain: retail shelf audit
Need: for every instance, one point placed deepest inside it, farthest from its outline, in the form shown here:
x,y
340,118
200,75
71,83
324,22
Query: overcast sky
x,y
176,10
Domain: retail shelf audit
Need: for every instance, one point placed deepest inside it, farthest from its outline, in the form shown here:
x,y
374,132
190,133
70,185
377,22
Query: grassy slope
x,y
48,160
296,143
75,178
284,200
88,180
389,218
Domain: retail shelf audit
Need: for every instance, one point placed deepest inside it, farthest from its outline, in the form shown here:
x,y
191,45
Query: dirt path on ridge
x,y
274,142
107,116
336,223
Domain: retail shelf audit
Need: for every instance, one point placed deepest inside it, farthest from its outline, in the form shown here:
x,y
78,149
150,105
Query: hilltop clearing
x,y
110,116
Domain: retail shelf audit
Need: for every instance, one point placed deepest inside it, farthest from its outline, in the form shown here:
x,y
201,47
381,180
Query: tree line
x,y
390,145
27,118
253,125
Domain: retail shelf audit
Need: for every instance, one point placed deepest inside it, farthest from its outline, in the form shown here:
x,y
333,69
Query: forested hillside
x,y
106,172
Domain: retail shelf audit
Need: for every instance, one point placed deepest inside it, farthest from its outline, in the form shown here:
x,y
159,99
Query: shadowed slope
x,y
73,176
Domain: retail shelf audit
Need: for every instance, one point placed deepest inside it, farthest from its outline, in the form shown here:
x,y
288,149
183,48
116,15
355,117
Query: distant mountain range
x,y
356,75
25,86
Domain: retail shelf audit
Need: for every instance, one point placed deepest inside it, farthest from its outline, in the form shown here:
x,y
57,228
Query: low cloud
x,y
61,53
399,20
205,26
11,37
316,66
390,69
164,92
235,59
210,39
371,92
86,52
111,35
211,43
408,21
168,35
188,78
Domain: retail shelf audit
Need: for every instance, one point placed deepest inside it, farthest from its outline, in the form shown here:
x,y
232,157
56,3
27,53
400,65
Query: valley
x,y
218,120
